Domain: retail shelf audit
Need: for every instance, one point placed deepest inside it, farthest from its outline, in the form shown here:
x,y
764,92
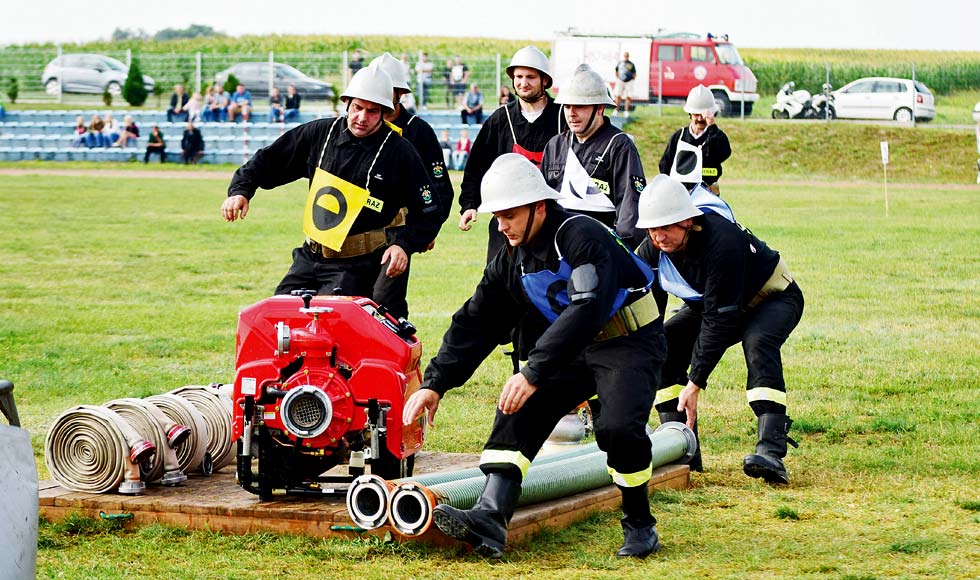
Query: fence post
x,y
827,107
660,88
197,78
344,68
129,57
272,71
498,78
420,82
60,91
914,94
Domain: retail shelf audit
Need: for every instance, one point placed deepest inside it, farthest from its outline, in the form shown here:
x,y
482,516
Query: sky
x,y
884,24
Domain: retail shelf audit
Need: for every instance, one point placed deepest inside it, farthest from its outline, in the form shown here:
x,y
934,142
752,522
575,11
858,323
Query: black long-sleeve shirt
x,y
500,303
398,178
728,265
421,135
715,150
174,106
495,139
192,141
620,170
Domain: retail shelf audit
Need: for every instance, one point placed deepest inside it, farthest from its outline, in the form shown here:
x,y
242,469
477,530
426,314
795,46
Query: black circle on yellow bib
x,y
329,208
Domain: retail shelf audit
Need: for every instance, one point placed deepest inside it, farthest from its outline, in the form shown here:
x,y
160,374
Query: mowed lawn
x,y
113,287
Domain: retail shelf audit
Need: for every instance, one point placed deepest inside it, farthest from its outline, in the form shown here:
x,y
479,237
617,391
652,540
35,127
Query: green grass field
x,y
130,286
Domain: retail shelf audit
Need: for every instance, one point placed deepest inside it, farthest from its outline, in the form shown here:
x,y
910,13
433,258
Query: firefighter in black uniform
x,y
392,291
594,165
361,174
523,126
735,289
583,299
695,153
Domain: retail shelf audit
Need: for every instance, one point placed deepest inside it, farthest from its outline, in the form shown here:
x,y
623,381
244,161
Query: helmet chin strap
x,y
530,221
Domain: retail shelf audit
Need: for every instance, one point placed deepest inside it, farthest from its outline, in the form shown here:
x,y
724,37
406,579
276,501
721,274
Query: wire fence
x,y
433,88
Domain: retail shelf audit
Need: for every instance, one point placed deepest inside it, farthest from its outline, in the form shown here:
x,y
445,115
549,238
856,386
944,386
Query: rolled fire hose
x,y
216,408
411,505
191,451
150,422
92,449
367,496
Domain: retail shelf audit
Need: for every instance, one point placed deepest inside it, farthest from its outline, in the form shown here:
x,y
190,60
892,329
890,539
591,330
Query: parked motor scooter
x,y
799,104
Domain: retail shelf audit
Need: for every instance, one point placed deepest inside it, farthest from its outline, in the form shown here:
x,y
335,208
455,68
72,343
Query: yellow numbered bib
x,y
331,208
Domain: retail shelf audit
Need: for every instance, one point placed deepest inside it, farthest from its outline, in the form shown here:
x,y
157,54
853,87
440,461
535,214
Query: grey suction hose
x,y
92,449
411,505
150,422
216,408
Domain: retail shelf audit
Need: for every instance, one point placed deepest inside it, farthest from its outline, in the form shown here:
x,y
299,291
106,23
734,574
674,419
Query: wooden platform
x,y
218,503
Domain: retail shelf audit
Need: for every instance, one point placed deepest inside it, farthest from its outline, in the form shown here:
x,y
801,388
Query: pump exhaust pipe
x,y
367,501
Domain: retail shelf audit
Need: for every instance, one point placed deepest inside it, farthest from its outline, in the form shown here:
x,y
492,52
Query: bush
x,y
231,84
107,98
133,91
13,89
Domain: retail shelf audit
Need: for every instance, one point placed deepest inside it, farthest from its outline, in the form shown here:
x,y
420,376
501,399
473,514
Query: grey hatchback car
x,y
87,73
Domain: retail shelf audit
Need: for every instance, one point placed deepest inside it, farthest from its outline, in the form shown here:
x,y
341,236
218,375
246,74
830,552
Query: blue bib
x,y
548,290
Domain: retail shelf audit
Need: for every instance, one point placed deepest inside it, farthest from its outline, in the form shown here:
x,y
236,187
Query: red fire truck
x,y
668,65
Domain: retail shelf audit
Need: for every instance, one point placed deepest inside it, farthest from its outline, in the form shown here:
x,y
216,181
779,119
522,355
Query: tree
x,y
192,31
133,90
231,84
13,89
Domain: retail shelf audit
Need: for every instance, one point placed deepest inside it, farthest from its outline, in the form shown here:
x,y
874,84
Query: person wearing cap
x,y
592,326
735,289
392,292
695,153
361,174
593,164
522,127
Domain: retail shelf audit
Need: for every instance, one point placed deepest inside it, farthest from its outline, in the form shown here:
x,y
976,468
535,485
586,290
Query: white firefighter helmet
x,y
585,87
664,201
700,101
371,84
531,57
512,181
395,69
976,112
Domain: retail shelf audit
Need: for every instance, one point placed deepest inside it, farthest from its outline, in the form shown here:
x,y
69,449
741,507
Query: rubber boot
x,y
767,461
639,526
681,417
484,526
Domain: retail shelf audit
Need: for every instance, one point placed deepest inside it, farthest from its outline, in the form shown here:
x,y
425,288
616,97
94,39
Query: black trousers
x,y
763,331
623,371
155,151
392,293
332,276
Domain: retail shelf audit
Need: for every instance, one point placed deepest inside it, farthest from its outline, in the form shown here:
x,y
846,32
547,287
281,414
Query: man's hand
x,y
421,401
397,261
467,218
709,118
515,394
234,207
688,401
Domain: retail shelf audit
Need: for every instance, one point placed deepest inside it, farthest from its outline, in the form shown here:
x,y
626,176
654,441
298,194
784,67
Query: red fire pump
x,y
321,381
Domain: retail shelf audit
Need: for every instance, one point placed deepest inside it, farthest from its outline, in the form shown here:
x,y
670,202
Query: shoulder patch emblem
x,y
638,183
438,170
426,194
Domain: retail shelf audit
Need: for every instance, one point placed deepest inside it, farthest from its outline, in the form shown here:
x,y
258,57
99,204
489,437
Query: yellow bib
x,y
331,208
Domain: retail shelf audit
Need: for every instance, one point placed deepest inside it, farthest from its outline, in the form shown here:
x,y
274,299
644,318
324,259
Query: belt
x,y
631,318
779,281
399,219
354,245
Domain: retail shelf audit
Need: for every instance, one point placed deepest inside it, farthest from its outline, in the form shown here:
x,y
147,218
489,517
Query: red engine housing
x,y
311,373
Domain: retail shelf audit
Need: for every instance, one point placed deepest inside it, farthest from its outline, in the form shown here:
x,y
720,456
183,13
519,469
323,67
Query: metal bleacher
x,y
48,135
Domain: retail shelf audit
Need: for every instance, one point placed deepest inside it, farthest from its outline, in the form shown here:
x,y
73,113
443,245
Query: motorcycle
x,y
800,104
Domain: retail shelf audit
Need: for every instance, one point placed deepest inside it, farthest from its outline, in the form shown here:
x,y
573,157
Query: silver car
x,y
87,73
885,98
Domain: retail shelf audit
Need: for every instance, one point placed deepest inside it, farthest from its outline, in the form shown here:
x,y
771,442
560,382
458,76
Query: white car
x,y
885,98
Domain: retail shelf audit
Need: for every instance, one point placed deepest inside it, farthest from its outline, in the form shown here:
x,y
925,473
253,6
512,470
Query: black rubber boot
x,y
767,461
681,417
639,526
484,526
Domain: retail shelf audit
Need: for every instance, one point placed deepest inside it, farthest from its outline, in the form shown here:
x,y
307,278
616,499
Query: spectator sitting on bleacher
x,y
110,130
178,100
94,137
473,106
155,145
191,144
462,151
216,104
276,107
194,107
291,111
447,147
129,132
79,131
241,102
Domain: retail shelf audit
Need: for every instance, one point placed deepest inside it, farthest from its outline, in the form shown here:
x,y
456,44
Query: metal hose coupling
x,y
215,405
190,451
411,506
691,440
150,422
367,501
